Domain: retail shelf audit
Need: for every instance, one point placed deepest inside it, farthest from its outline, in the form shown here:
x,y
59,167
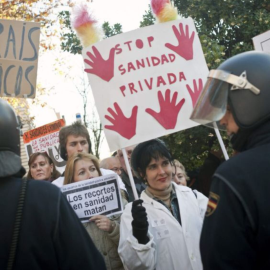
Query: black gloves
x,y
139,223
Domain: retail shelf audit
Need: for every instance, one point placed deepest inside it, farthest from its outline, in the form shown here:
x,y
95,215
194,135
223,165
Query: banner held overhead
x,y
146,82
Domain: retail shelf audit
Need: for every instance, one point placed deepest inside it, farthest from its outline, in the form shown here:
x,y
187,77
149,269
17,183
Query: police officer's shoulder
x,y
43,187
230,164
236,171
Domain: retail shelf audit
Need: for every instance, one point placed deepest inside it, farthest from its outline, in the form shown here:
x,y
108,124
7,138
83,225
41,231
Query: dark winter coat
x,y
51,236
236,230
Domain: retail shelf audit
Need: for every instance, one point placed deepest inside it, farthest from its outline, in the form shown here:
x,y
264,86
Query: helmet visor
x,y
212,103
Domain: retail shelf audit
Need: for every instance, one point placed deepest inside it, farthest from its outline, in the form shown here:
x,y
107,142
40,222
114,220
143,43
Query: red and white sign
x,y
146,82
46,139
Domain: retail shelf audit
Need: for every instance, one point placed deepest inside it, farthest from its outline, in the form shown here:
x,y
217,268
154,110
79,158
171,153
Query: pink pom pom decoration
x,y
81,16
158,5
85,25
164,10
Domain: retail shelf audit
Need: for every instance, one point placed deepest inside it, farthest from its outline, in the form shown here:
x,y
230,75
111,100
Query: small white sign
x,y
96,196
262,42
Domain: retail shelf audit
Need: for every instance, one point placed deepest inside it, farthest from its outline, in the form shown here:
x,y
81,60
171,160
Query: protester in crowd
x,y
75,139
140,185
236,229
111,163
162,229
104,231
41,167
179,175
38,228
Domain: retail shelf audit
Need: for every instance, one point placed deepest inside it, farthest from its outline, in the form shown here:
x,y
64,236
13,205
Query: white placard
x,y
146,82
18,58
96,196
262,42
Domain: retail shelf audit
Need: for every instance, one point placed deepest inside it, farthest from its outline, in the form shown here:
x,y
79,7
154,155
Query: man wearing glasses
x,y
111,163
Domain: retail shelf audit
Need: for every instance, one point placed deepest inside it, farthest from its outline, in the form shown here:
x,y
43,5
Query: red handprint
x,y
104,69
185,43
197,90
126,127
169,110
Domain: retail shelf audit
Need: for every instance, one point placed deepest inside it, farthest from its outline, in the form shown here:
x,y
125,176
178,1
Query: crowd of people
x,y
170,226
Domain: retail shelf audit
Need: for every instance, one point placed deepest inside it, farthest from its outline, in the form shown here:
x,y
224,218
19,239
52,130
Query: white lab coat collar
x,y
184,195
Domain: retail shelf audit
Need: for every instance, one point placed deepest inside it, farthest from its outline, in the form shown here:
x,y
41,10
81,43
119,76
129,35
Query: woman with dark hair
x,y
162,229
41,167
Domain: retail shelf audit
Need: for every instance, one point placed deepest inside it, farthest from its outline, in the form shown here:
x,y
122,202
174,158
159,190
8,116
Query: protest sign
x,y
96,196
146,82
46,138
18,58
262,42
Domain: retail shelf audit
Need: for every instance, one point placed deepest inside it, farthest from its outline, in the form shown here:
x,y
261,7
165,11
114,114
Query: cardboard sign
x,y
18,58
96,196
146,82
46,139
262,42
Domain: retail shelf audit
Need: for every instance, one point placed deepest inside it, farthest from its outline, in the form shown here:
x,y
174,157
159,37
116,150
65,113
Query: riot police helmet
x,y
10,161
243,83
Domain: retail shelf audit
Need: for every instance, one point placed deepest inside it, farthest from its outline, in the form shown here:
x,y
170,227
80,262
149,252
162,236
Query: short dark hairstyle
x,y
76,129
144,152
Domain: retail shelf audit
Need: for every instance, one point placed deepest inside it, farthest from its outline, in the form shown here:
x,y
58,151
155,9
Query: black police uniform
x,y
236,230
51,236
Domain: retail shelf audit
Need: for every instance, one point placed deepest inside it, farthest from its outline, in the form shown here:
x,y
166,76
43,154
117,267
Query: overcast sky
x,y
129,13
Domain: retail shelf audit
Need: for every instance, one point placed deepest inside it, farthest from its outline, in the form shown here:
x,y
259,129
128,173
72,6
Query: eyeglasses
x,y
115,169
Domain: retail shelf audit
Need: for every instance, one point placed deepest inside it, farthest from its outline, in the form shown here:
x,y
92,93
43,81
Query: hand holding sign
x,y
104,69
185,43
139,223
103,223
126,127
197,90
169,110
